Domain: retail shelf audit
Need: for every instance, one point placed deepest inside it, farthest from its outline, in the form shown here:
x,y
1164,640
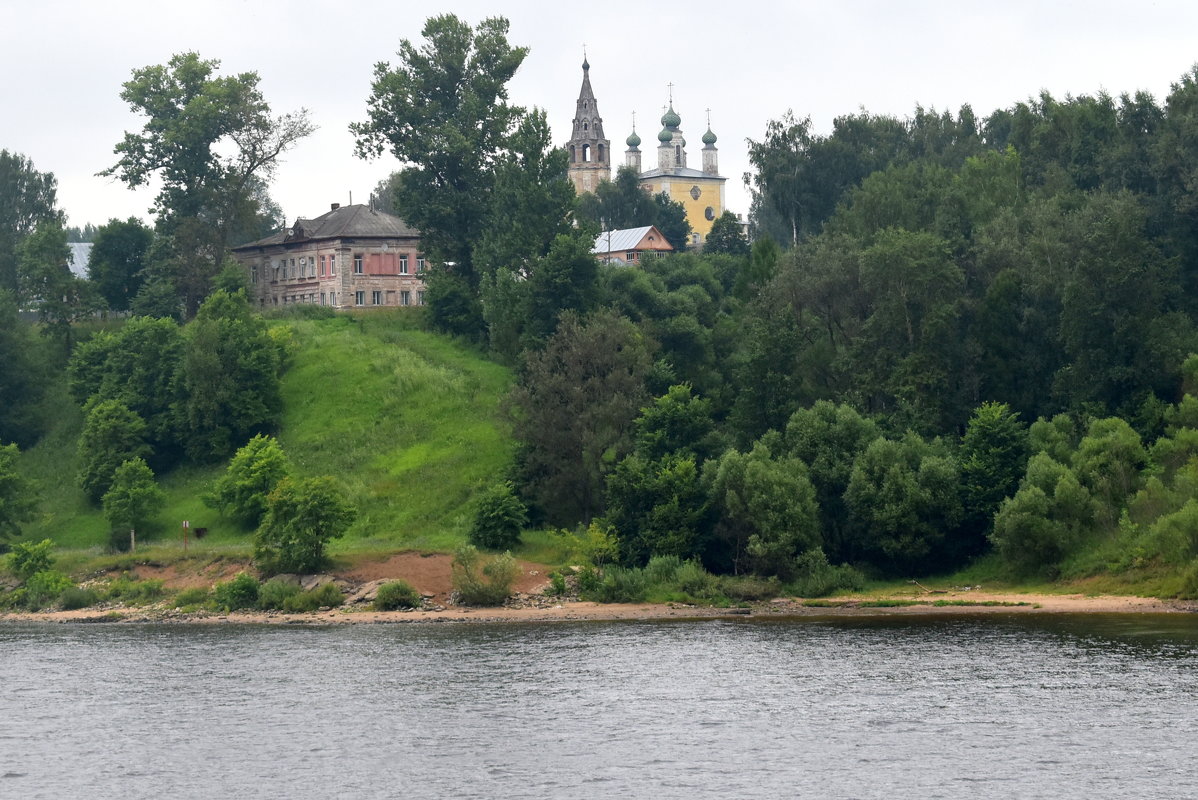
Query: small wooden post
x,y
186,525
132,540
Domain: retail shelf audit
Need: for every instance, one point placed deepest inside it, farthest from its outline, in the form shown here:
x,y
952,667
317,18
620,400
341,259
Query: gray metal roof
x,y
357,221
79,255
615,241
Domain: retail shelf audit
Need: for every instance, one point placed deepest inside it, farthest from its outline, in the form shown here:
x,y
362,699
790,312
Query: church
x,y
700,191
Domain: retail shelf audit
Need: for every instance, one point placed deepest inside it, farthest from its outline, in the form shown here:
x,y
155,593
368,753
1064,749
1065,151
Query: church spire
x,y
589,150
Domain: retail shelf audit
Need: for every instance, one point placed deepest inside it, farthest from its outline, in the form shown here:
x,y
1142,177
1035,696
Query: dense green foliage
x,y
302,516
395,595
17,500
498,519
253,473
133,501
483,582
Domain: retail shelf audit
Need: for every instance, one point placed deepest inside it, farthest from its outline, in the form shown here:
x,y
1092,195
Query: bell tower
x,y
588,150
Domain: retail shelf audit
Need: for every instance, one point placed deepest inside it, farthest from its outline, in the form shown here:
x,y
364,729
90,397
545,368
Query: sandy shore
x,y
938,603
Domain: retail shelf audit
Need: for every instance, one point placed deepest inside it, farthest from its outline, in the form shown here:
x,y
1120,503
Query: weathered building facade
x,y
352,257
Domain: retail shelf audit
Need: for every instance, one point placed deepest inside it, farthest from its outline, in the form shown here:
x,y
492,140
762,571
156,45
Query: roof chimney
x,y
334,206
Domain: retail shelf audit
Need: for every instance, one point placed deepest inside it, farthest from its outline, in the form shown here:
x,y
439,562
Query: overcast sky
x,y
64,61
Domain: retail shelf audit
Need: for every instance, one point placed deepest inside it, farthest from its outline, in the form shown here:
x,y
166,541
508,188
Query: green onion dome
x,y
671,119
665,135
634,140
709,137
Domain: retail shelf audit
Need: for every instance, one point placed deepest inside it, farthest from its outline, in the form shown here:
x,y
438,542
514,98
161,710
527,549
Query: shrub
x,y
131,591
195,596
498,519
275,593
745,587
815,577
662,569
491,587
76,597
26,559
301,517
241,592
396,594
557,584
620,585
696,581
1189,583
44,588
327,594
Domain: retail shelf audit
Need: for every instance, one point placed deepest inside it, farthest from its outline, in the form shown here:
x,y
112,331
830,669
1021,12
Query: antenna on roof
x,y
351,198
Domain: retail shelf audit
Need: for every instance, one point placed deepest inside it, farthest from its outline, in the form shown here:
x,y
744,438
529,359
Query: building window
x,y
357,264
630,256
419,298
254,274
322,302
376,298
323,267
419,265
291,272
405,298
333,264
709,213
403,263
694,238
359,298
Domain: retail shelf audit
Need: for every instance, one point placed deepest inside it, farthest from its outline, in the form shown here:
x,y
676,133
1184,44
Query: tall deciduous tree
x,y
46,280
112,435
212,142
27,198
302,516
134,499
727,236
443,111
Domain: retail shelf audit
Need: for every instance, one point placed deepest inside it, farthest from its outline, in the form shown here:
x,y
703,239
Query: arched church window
x,y
677,154
601,154
709,213
573,155
586,152
584,126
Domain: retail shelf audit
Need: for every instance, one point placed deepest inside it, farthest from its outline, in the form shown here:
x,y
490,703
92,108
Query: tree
x,y
619,203
21,377
677,423
727,235
574,405
562,280
112,435
46,280
903,501
994,453
253,473
138,366
656,506
443,112
302,517
134,499
27,199
767,509
782,181
228,378
17,499
117,260
212,143
672,222
498,519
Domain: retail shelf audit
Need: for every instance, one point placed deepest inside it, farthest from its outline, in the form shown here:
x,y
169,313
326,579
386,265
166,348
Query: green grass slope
x,y
408,421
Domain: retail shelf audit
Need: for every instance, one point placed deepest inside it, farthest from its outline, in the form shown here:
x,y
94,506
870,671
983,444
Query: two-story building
x,y
352,257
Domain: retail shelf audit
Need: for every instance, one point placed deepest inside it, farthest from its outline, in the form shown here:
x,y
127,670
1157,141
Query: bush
x,y
498,519
325,595
1189,583
195,596
557,584
44,588
490,588
26,559
131,591
239,593
301,517
815,577
396,594
77,597
275,593
750,588
621,585
662,569
253,472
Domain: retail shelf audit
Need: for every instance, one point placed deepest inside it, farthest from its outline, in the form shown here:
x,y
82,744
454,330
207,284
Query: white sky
x,y
64,61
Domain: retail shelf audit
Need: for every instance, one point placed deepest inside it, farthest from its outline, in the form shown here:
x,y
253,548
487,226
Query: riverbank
x,y
955,602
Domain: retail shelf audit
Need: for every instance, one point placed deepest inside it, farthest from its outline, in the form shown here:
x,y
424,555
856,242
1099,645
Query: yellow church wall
x,y
679,189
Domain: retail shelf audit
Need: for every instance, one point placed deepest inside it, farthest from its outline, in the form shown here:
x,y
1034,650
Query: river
x,y
1001,706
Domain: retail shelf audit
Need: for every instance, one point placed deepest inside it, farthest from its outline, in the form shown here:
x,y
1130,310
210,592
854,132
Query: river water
x,y
994,706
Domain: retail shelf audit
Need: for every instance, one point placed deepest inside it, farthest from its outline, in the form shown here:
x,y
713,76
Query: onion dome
x,y
585,64
671,119
665,136
634,141
709,137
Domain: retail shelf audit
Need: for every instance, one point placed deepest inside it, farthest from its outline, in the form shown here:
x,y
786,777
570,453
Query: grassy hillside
x,y
408,421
